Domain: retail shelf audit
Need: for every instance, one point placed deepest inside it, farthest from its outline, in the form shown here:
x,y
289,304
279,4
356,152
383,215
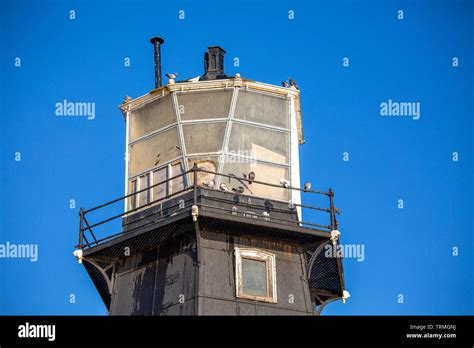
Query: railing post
x,y
81,227
331,207
195,170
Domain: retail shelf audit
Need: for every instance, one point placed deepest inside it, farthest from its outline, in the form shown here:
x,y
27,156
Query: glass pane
x,y
153,116
259,143
159,191
254,277
208,104
204,137
144,197
133,189
264,172
261,108
206,163
178,183
150,152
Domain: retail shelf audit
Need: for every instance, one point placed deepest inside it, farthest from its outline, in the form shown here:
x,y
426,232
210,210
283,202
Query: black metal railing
x,y
86,229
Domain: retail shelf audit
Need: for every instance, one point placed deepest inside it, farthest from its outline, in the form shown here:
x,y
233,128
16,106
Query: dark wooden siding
x,y
160,281
217,277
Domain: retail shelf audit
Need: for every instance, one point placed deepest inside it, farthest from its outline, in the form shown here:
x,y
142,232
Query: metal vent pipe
x,y
157,42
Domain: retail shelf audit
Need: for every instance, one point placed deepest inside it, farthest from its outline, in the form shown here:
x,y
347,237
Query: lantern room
x,y
227,125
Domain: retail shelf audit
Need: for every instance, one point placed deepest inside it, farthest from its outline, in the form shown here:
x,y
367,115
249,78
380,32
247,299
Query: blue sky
x,y
408,251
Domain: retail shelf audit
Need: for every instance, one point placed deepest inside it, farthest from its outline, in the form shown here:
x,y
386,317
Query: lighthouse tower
x,y
211,222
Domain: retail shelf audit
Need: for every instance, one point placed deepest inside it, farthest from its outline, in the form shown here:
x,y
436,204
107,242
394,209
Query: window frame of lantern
x,y
133,188
139,187
134,202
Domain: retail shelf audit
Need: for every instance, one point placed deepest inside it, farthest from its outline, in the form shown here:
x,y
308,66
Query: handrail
x,y
264,183
332,210
136,209
121,233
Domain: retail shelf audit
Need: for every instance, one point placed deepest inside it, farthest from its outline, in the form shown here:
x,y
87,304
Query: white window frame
x,y
257,255
151,182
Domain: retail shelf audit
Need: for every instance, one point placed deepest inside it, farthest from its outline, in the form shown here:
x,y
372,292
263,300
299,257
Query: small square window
x,y
255,275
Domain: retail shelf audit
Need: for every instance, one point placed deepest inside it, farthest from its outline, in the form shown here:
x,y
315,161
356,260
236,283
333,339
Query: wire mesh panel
x,y
151,117
201,105
324,274
261,108
153,151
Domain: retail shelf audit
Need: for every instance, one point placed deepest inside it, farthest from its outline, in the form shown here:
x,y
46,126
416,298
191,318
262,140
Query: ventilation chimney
x,y
157,42
214,63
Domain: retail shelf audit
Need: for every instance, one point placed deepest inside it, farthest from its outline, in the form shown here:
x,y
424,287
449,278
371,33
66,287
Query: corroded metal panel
x,y
216,273
134,292
175,282
186,308
212,306
159,281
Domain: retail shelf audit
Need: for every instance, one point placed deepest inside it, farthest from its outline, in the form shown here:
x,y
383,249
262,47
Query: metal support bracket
x,y
323,304
103,270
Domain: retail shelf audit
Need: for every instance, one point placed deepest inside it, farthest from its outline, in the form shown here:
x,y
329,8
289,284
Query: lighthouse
x,y
213,220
